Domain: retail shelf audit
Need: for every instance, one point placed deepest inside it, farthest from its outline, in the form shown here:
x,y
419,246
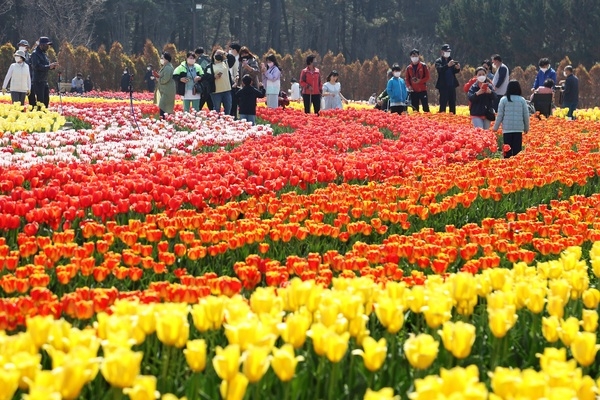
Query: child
x,y
246,99
19,77
396,89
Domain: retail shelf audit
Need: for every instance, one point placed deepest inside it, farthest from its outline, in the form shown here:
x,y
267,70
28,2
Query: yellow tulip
x,y
28,366
415,298
533,384
78,373
235,388
568,330
121,366
298,292
587,389
438,309
373,353
390,313
595,266
458,338
501,320
395,290
227,362
579,281
256,363
421,350
284,362
210,313
147,318
505,382
317,333
357,327
560,288
59,334
9,382
39,329
328,311
591,298
293,330
584,348
498,277
551,355
483,285
429,387
195,354
143,388
336,346
464,381
383,394
562,374
536,299
264,300
589,320
550,328
351,305
170,396
172,328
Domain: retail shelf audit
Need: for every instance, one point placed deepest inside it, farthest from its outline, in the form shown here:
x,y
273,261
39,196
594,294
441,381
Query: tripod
x,y
130,90
59,92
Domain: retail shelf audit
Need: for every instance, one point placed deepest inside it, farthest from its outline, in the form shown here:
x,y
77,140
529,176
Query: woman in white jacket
x,y
272,80
19,77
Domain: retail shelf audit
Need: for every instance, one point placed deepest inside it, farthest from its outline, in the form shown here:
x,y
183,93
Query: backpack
x,y
203,61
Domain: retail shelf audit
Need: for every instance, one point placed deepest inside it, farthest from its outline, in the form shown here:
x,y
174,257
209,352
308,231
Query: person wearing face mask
x,y
219,79
77,84
272,80
149,79
501,78
41,65
447,83
19,78
396,90
187,74
24,47
482,97
416,78
545,72
166,85
570,91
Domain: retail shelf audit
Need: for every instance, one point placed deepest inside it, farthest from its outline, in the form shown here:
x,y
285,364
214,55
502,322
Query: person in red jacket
x,y
416,77
310,82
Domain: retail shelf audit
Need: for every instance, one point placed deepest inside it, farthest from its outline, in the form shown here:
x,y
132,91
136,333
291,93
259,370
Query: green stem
x,y
165,368
286,390
333,382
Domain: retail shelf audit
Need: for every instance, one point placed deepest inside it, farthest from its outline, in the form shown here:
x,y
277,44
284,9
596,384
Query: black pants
x,y
42,92
315,99
515,141
206,99
397,109
18,97
415,97
448,98
234,104
31,98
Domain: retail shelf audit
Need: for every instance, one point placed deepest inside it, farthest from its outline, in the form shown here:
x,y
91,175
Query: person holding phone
x,y
447,68
218,77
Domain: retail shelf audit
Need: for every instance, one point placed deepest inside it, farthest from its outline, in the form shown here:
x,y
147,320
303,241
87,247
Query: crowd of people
x,y
233,80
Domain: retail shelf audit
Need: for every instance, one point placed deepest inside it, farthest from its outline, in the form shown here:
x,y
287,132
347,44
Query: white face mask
x,y
22,48
414,59
18,59
162,61
481,78
397,74
544,70
125,71
149,68
446,54
270,64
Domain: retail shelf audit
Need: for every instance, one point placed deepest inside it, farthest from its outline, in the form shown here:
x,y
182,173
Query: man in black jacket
x,y
446,84
41,65
571,91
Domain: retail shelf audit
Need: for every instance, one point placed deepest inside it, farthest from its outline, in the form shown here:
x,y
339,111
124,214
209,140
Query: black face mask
x,y
219,57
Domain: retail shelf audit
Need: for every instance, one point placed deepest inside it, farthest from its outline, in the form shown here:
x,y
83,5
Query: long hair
x,y
273,59
513,89
332,73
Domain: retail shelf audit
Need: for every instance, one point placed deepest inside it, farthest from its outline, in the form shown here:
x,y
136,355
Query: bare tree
x,y
67,20
6,5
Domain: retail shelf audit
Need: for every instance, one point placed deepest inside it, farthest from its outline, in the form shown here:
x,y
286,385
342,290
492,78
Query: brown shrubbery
x,y
359,79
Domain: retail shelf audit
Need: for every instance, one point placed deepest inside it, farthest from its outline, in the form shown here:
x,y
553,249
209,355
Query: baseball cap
x,y
44,40
23,43
446,47
414,51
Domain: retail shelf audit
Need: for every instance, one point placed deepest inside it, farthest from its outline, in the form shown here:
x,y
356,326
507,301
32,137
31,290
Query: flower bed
x,y
364,253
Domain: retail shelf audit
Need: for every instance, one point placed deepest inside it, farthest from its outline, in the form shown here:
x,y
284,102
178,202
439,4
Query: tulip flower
x,y
336,345
568,330
438,309
172,329
501,321
28,365
227,362
458,338
589,320
421,350
383,394
121,367
550,327
39,329
584,348
235,388
293,330
255,363
373,353
195,354
551,355
591,298
284,362
390,313
9,382
143,388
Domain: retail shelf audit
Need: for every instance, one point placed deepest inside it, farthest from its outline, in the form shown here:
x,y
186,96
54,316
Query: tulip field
x,y
351,255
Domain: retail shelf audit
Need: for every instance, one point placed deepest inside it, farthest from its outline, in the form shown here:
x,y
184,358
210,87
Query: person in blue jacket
x,y
545,72
396,89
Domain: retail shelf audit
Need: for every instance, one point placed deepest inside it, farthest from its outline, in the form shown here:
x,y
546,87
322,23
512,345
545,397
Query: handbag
x,y
197,89
490,115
